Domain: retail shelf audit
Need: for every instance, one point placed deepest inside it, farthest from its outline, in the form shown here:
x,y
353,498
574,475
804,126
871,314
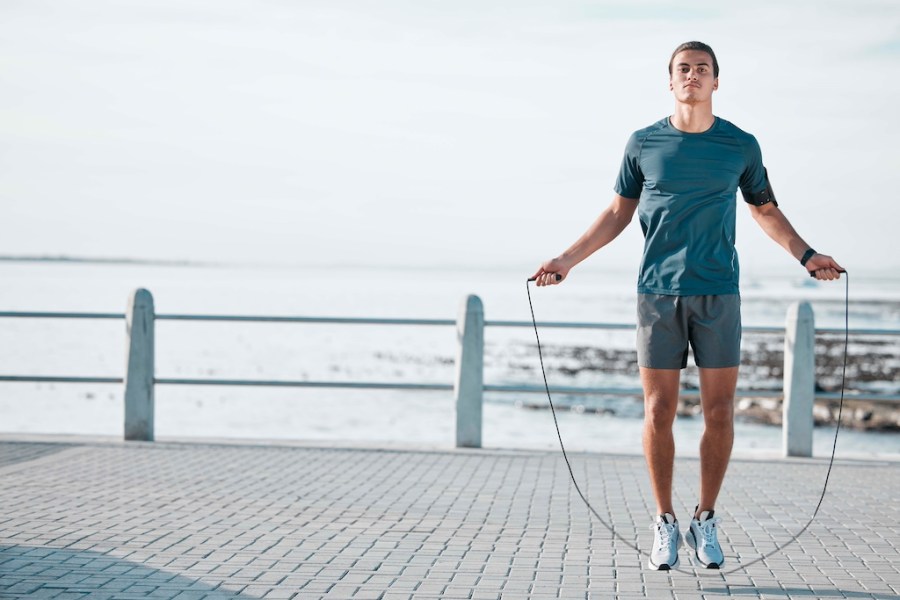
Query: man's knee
x,y
719,415
659,412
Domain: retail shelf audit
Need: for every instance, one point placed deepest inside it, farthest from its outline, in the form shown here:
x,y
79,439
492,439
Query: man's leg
x,y
717,387
661,388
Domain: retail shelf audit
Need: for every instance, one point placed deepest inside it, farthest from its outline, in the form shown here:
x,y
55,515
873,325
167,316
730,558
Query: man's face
x,y
692,79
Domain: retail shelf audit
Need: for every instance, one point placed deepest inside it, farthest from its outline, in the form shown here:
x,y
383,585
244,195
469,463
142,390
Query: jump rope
x,y
612,528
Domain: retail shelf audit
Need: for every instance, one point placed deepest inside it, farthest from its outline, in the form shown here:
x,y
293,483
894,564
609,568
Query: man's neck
x,y
693,118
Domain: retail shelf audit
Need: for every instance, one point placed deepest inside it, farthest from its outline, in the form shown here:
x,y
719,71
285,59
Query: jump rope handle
x,y
813,273
558,277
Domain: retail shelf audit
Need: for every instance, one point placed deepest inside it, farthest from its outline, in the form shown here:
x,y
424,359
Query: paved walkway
x,y
99,519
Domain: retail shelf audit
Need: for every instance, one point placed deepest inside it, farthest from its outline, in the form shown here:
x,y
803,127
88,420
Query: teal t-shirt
x,y
686,186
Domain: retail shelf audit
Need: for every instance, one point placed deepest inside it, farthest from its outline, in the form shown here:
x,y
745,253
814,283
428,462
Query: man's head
x,y
701,47
693,73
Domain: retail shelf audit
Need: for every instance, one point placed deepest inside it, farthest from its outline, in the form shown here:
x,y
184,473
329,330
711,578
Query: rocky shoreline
x,y
873,365
862,415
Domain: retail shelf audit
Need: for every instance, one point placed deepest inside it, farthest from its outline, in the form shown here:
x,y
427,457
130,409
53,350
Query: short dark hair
x,y
696,46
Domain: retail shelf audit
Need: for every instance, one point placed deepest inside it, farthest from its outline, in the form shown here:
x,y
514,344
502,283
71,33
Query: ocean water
x,y
374,353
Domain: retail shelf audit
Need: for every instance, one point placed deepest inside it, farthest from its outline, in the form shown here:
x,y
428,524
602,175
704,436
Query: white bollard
x,y
799,380
139,373
469,385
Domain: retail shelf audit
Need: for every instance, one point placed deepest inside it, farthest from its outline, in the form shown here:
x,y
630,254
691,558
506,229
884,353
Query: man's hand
x,y
823,267
551,272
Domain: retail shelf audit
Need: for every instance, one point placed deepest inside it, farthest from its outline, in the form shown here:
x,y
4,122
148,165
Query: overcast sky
x,y
401,132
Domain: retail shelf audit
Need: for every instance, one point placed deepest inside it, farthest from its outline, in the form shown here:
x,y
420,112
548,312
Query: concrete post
x,y
799,380
469,385
139,372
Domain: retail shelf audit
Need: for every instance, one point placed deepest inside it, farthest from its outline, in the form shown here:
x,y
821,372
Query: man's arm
x,y
605,229
777,227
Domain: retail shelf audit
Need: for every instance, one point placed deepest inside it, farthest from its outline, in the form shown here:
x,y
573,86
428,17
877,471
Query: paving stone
x,y
217,521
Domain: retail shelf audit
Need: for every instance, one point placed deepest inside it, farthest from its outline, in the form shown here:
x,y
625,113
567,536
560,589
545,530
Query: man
x,y
681,174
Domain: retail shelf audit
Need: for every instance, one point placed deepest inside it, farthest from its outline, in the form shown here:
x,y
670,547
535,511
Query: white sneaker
x,y
666,539
703,538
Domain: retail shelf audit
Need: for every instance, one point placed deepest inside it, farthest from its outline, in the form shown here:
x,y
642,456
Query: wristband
x,y
807,255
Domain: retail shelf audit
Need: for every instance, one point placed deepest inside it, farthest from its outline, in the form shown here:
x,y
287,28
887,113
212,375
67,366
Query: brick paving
x,y
115,520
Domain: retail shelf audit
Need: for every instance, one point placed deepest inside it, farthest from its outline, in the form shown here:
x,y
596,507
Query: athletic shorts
x,y
667,324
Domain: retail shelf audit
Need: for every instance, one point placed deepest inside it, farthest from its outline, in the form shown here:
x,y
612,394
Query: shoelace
x,y
708,528
665,533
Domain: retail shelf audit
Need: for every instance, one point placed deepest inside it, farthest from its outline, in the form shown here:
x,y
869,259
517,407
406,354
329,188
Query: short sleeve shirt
x,y
686,185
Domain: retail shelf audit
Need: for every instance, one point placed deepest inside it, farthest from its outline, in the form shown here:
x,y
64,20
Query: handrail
x,y
441,387
331,320
411,321
375,385
59,379
60,315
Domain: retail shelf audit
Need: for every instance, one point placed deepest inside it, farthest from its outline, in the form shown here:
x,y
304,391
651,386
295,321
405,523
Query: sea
x,y
385,353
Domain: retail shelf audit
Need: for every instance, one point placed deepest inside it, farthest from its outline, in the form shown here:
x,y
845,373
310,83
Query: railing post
x,y
799,380
140,368
469,385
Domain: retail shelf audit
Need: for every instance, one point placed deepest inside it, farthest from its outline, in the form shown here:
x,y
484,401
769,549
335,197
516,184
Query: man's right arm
x,y
605,229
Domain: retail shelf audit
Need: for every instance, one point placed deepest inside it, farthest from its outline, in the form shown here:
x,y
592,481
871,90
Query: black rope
x,y
635,547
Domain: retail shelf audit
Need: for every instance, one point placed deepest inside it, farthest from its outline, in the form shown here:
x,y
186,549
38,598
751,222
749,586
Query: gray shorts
x,y
666,324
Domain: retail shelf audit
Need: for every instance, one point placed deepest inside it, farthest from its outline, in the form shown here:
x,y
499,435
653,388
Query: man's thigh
x,y
662,383
661,391
717,388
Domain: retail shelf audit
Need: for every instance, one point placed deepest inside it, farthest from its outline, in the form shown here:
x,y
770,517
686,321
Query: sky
x,y
476,134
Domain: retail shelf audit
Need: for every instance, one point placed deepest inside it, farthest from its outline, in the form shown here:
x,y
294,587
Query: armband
x,y
763,197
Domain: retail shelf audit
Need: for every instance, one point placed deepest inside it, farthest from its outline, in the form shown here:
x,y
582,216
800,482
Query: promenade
x,y
94,518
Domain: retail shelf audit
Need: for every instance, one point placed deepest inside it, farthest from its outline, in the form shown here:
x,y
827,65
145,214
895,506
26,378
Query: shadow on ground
x,y
27,571
13,453
795,592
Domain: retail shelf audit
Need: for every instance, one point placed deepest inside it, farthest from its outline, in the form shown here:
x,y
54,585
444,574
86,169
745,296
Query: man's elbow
x,y
765,211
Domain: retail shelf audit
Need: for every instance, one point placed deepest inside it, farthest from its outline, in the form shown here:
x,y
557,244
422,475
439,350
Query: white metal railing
x,y
468,386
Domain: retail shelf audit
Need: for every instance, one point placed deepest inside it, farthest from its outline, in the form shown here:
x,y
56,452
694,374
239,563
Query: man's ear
x,y
716,84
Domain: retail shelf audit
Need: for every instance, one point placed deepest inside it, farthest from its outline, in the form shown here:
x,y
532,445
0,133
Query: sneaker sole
x,y
662,567
665,566
690,541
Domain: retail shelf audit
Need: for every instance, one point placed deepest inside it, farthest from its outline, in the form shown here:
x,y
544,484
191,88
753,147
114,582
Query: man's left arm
x,y
777,227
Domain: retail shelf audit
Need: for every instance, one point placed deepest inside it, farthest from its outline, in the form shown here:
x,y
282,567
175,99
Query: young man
x,y
681,174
